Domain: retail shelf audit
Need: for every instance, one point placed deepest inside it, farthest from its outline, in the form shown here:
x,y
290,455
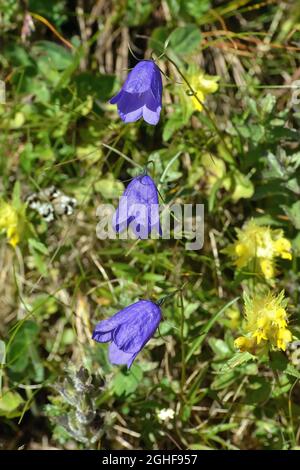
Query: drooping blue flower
x,y
140,96
128,331
138,208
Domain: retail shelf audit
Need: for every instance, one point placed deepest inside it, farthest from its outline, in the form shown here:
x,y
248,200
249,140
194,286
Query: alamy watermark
x,y
152,221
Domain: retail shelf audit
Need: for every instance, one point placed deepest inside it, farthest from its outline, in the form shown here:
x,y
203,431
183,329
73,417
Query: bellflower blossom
x,y
141,94
128,331
138,208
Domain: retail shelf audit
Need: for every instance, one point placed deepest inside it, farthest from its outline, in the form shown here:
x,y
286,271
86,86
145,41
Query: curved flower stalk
x,y
138,208
128,331
141,94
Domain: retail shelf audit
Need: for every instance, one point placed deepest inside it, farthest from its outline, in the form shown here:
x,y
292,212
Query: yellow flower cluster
x,y
202,85
11,222
266,323
257,247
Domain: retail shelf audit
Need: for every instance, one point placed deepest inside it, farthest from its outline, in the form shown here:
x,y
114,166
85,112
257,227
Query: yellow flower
x,y
245,344
267,268
202,85
257,247
11,222
266,322
283,247
284,337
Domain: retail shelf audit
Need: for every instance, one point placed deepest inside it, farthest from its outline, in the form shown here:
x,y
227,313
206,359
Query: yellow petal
x,y
284,337
267,268
244,344
208,84
197,104
283,248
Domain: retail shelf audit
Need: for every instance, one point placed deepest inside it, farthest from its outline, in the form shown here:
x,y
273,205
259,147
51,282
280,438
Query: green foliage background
x,y
242,160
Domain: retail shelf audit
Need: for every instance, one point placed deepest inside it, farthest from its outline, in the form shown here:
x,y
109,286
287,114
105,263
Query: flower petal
x,y
142,189
129,330
138,207
132,335
132,116
117,356
140,78
141,94
121,220
130,103
130,106
126,314
116,98
151,117
101,337
156,85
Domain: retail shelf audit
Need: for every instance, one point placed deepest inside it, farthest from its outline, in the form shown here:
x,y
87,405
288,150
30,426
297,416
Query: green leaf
x,y
258,390
174,123
257,132
218,428
243,187
174,6
70,69
277,169
291,370
278,360
237,360
125,383
293,185
55,12
267,103
293,213
219,347
16,196
38,246
52,55
200,447
152,277
18,56
9,404
18,355
224,380
268,189
296,244
195,8
204,331
97,85
137,13
39,262
52,60
109,187
185,39
158,39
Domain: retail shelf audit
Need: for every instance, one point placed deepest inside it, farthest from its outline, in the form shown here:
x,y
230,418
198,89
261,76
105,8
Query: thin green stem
x,y
206,110
291,418
162,299
183,368
281,413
